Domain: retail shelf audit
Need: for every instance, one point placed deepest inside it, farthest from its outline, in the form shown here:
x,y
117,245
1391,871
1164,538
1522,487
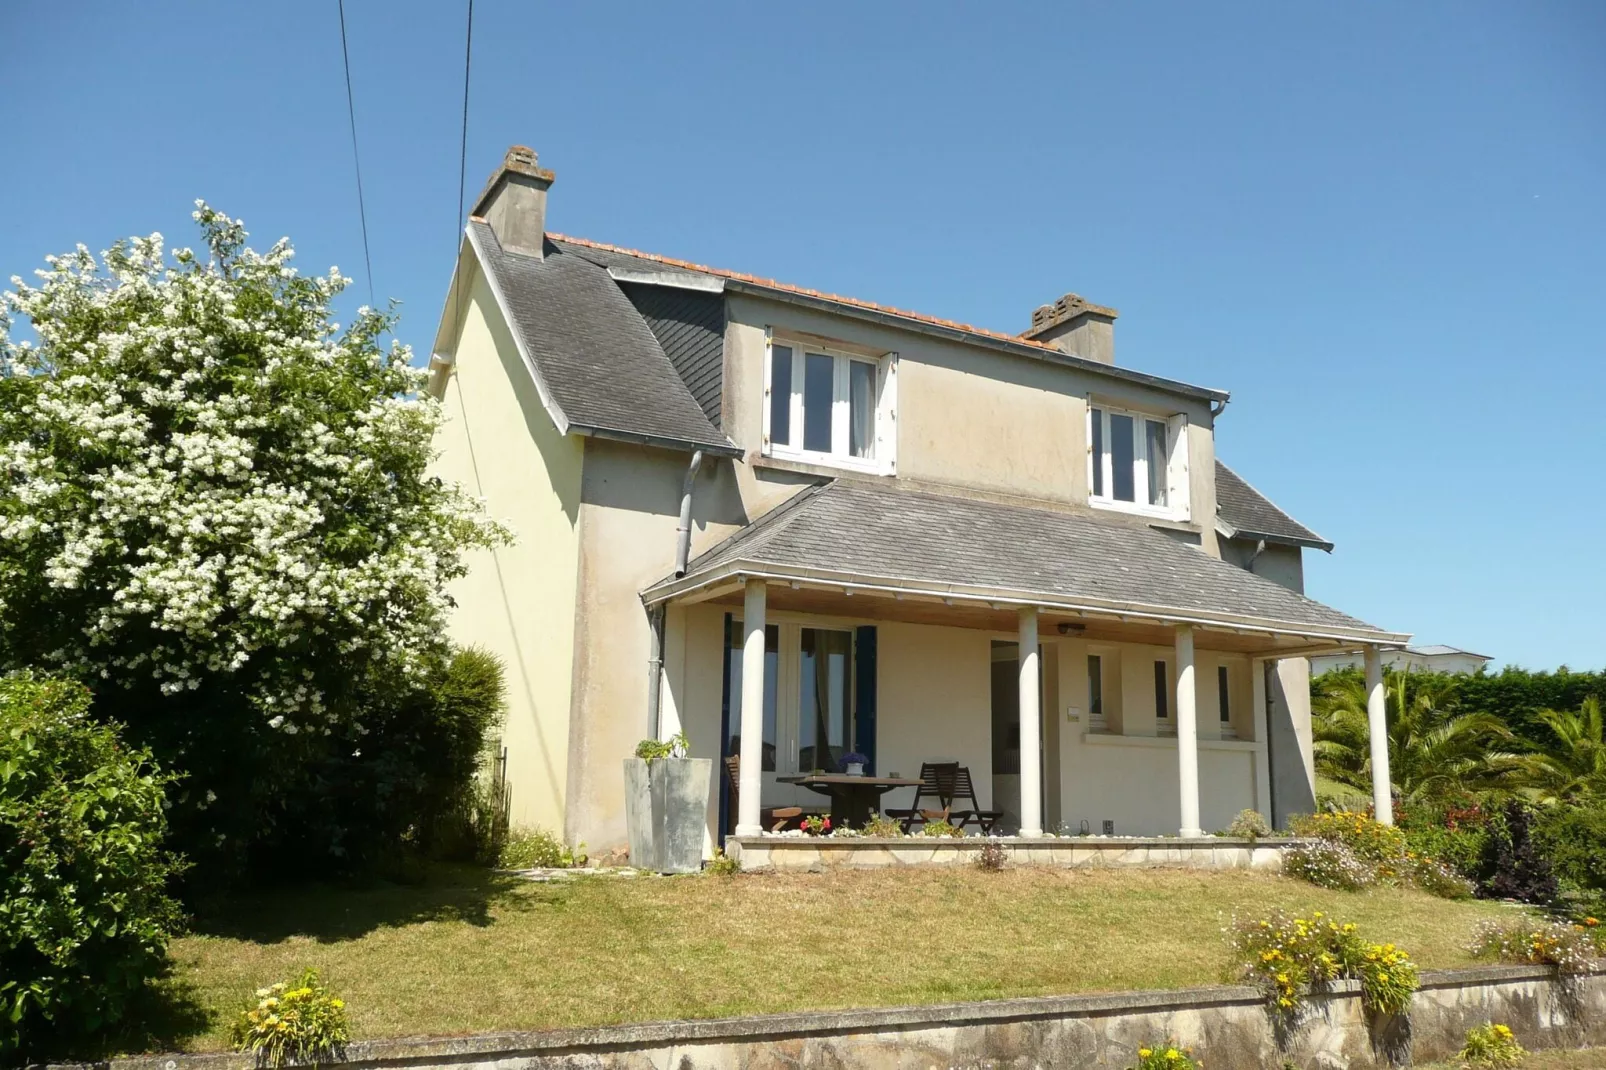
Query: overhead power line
x,y
356,158
462,152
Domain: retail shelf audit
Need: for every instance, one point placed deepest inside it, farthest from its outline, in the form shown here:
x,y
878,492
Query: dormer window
x,y
1138,462
828,406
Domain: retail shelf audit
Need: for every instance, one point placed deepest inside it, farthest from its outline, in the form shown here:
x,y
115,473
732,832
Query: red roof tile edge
x,y
773,284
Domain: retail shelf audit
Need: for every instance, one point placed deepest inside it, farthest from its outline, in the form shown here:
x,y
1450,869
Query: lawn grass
x,y
1587,1059
470,951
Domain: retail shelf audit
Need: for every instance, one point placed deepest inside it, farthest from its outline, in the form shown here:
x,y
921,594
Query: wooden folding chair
x,y
965,790
774,818
937,784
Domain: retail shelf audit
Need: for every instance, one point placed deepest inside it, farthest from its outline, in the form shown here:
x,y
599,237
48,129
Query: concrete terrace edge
x,y
1208,852
480,1048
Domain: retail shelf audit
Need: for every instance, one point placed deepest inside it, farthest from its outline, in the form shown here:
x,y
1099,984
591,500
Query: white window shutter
x,y
1177,467
886,417
769,371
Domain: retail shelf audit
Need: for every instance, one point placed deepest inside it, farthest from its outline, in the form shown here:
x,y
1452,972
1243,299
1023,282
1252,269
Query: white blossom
x,y
201,476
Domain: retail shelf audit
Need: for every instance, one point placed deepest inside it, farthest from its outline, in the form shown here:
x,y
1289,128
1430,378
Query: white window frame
x,y
883,459
1176,462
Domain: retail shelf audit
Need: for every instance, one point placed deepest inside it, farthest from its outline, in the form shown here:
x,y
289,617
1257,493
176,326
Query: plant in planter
x,y
666,805
853,763
816,825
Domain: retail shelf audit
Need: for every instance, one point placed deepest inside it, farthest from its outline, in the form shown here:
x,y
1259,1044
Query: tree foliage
x,y
84,909
1437,750
216,510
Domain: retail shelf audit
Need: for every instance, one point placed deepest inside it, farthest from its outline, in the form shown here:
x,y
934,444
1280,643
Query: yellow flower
x,y
1503,1030
337,1004
1382,977
1171,1053
1144,1053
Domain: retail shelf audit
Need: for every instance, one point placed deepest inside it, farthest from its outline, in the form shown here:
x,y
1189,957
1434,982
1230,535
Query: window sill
x,y
815,465
1155,513
1111,739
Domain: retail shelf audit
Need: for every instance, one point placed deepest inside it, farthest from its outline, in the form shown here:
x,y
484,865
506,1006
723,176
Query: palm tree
x,y
1436,752
1573,765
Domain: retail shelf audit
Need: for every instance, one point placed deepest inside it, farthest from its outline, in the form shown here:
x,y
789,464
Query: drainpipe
x,y
655,657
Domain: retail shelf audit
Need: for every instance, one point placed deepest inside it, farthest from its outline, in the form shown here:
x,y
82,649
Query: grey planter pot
x,y
666,812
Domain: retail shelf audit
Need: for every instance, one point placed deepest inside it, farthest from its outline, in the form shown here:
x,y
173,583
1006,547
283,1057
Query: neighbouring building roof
x,y
1243,512
591,351
1432,650
853,531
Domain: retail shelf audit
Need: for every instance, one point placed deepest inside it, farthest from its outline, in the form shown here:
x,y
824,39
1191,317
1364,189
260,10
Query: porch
x,y
1160,705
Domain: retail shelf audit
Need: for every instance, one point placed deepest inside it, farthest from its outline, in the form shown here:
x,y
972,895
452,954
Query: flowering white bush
x,y
204,480
1329,864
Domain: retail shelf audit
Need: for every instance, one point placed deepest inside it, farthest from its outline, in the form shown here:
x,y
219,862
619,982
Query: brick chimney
x,y
514,202
1074,325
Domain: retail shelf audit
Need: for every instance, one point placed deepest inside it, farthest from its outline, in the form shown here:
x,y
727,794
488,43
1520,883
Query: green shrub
x,y
1249,825
1460,847
1329,864
882,825
1527,940
84,911
1370,840
1168,1055
537,848
941,828
1287,957
1572,838
651,750
300,1022
722,864
1491,1047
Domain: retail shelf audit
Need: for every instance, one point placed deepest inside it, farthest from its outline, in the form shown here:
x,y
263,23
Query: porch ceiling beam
x,y
737,571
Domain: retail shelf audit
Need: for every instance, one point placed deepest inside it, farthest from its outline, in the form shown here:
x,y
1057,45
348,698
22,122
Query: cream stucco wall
x,y
968,418
629,511
517,601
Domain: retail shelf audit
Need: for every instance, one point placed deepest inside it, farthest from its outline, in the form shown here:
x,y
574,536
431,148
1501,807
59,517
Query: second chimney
x,y
514,202
1073,325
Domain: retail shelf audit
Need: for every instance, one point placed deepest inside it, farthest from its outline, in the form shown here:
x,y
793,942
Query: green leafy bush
x,y
1569,948
1370,840
1572,838
1288,957
722,864
1329,864
1249,825
941,828
882,825
84,911
651,750
1165,1056
299,1022
1491,1047
537,848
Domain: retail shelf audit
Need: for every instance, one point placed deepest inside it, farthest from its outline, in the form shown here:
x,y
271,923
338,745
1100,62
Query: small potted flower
x,y
816,825
853,763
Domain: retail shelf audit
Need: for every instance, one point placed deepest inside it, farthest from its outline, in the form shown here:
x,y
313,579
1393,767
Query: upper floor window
x,y
1137,461
830,407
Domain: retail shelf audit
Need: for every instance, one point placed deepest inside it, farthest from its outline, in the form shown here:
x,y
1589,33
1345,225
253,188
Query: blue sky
x,y
1382,226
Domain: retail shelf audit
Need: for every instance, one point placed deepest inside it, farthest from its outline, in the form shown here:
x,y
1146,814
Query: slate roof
x,y
877,532
618,257
1250,514
593,353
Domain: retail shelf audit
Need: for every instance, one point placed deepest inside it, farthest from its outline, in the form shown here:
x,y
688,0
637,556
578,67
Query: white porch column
x,y
1187,733
751,786
1031,769
1377,726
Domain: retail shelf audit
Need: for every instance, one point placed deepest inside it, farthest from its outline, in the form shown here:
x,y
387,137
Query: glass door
x,y
808,706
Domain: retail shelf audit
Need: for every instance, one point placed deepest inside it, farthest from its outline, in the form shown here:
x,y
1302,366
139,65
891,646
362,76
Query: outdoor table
x,y
852,797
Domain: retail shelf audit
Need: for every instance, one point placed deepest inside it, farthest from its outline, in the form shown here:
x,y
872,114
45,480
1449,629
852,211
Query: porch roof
x,y
879,538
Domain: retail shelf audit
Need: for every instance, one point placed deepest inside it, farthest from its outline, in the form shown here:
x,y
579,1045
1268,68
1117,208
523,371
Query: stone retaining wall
x,y
821,852
1227,1028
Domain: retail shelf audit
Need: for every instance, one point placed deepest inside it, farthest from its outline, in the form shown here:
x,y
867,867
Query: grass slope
x,y
469,951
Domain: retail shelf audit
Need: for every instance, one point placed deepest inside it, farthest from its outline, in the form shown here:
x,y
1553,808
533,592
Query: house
x,y
794,524
1433,657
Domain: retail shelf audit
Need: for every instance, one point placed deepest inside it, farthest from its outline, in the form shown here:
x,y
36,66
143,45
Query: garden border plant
x,y
1290,957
